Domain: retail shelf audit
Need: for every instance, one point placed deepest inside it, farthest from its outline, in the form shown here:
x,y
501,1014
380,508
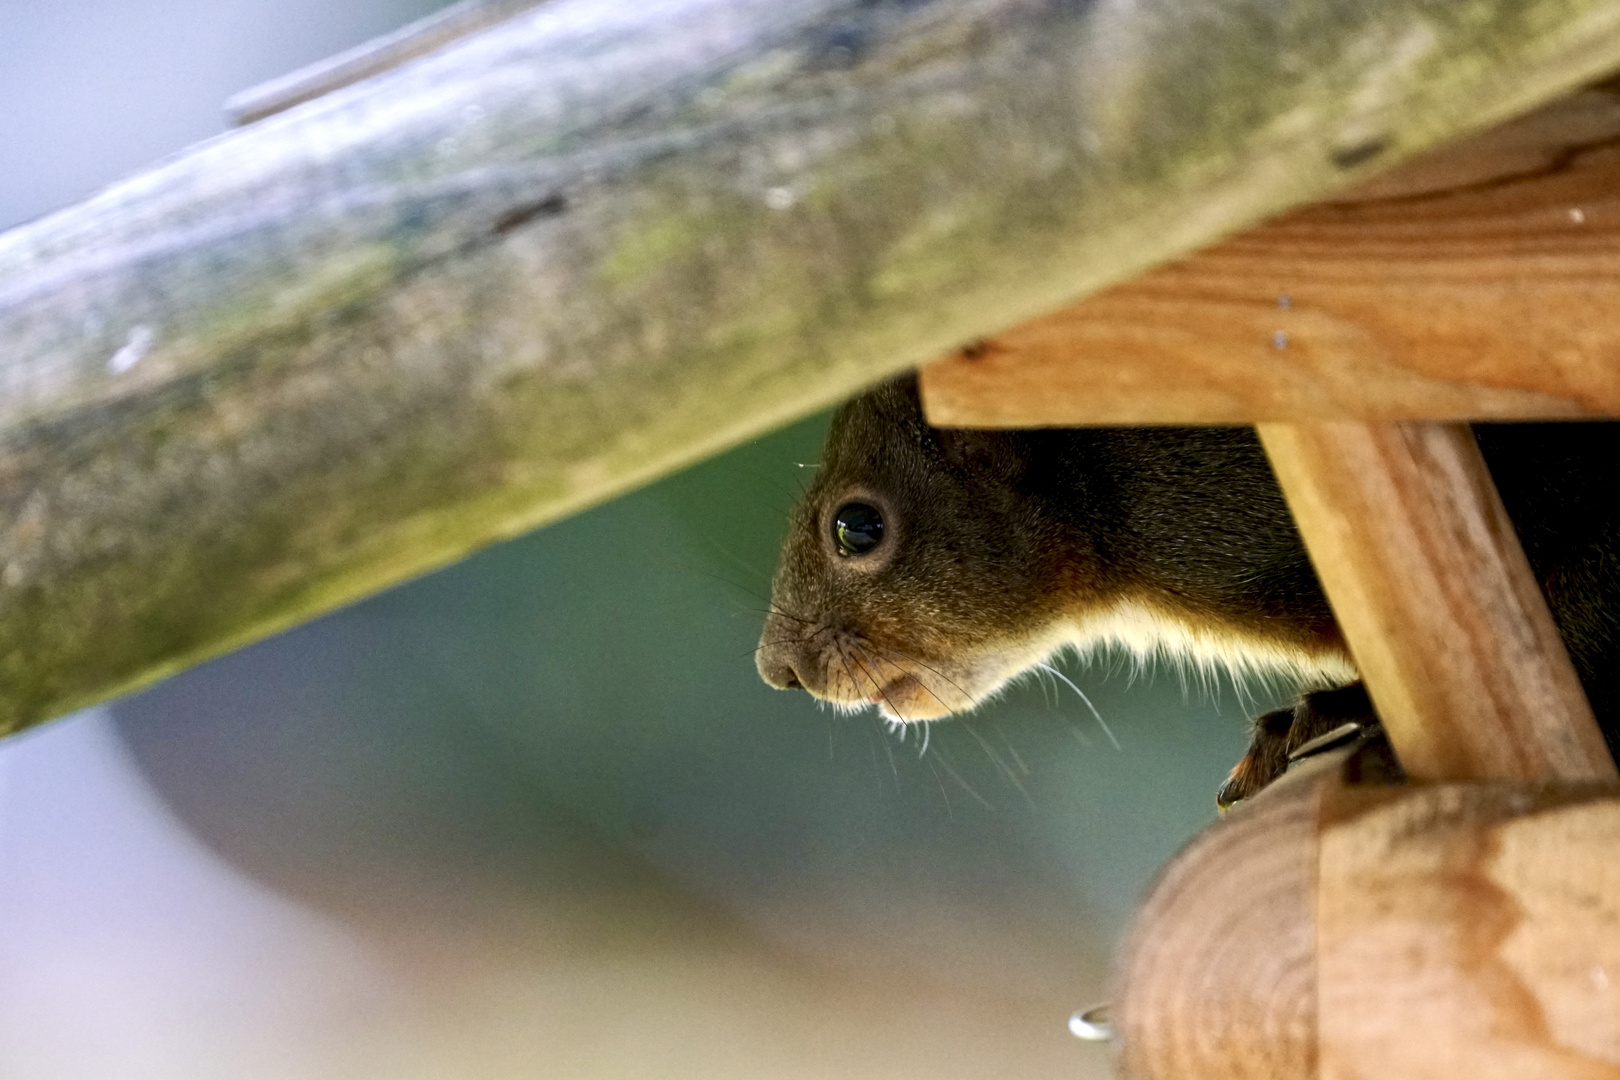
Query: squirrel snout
x,y
779,673
777,658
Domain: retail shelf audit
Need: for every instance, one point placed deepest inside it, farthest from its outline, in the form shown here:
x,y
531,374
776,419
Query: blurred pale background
x,y
535,815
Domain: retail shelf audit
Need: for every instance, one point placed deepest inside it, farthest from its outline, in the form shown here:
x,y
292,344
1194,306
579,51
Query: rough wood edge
x,y
371,58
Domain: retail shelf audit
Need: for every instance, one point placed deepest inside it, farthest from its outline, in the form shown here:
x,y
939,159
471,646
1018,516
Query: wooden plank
x,y
1437,602
1481,281
585,246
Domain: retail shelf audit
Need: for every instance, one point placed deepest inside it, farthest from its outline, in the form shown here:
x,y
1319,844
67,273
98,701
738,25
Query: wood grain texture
x,y
1469,931
581,248
1480,281
1437,602
1217,977
1334,930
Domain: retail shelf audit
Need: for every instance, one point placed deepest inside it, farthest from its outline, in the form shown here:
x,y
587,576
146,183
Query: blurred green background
x,y
536,815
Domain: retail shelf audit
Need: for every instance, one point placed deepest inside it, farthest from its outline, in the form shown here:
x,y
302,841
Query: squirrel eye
x,y
857,528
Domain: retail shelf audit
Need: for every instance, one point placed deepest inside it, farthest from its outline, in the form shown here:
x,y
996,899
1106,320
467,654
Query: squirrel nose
x,y
783,659
779,673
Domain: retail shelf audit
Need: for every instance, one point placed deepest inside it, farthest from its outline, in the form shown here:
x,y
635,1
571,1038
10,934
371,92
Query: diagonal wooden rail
x,y
1439,606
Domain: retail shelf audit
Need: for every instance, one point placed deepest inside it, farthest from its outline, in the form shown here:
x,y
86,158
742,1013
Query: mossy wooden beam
x,y
514,277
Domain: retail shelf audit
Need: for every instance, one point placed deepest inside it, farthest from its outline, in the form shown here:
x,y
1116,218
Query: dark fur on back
x,y
1559,483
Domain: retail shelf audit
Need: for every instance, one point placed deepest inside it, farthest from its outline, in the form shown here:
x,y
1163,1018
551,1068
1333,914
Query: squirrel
x,y
924,568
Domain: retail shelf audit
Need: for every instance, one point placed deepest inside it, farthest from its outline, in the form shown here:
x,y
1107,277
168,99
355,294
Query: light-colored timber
x,y
1338,931
1478,282
1468,931
1217,978
1436,600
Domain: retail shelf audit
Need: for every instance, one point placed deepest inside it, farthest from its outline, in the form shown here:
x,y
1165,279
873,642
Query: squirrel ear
x,y
995,455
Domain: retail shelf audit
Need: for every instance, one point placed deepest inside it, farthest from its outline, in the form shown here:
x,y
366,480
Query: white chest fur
x,y
1147,632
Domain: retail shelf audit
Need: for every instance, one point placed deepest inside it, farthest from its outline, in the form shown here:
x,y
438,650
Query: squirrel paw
x,y
1279,735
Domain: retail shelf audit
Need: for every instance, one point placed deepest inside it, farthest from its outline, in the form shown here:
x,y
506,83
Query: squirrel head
x,y
918,573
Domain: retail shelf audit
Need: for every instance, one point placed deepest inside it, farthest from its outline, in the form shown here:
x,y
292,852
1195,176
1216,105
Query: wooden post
x,y
1440,609
1456,933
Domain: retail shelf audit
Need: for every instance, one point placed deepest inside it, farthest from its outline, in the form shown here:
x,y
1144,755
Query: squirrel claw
x,y
1318,721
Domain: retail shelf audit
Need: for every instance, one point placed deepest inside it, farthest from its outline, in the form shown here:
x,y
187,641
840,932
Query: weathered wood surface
x,y
507,280
1479,281
1436,600
1469,931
